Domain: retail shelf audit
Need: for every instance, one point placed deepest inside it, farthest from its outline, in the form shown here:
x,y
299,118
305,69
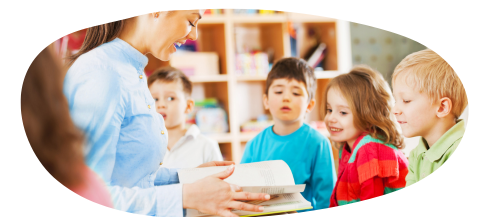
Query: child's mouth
x,y
164,115
285,109
333,129
402,122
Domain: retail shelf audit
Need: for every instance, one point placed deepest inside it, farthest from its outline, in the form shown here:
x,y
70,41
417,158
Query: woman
x,y
109,100
55,140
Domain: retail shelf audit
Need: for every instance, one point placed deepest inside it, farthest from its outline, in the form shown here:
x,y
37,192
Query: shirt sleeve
x,y
166,176
155,201
97,106
324,177
371,188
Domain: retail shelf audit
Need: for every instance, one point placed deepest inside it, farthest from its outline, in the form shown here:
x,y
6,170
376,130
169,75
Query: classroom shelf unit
x,y
241,95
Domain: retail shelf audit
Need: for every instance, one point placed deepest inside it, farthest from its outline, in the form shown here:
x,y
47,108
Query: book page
x,y
277,203
266,173
283,189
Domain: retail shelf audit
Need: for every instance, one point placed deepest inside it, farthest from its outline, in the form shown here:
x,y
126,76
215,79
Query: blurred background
x,y
235,50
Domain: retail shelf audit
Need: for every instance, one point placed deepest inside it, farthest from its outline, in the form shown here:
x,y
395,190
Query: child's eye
x,y
343,113
156,99
170,98
296,94
278,92
329,110
191,24
406,101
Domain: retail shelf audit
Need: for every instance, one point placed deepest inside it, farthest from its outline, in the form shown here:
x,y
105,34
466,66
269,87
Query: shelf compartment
x,y
268,18
209,78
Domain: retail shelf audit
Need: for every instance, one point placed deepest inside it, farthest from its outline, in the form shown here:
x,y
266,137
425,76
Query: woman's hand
x,y
213,196
216,164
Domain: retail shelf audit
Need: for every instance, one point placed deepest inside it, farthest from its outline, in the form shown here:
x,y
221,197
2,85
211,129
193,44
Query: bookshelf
x,y
241,95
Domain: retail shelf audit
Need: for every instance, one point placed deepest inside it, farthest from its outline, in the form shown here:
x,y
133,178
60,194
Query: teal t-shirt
x,y
308,154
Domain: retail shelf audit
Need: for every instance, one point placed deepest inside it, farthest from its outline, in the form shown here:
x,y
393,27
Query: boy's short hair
x,y
432,75
171,74
293,68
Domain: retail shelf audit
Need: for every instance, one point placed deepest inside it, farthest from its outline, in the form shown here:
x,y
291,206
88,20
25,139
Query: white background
x,y
462,33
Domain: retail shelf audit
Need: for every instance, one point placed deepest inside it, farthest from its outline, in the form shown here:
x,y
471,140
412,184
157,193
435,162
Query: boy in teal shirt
x,y
429,99
289,95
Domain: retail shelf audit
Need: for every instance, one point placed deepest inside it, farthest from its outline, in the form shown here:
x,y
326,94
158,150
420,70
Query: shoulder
x,y
369,148
101,68
315,137
104,62
452,148
263,135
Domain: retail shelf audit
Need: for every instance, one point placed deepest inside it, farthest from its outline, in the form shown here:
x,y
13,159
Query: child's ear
x,y
311,105
444,108
265,101
190,106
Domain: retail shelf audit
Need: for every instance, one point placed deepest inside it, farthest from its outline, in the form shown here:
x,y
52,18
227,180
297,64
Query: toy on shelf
x,y
252,64
262,122
196,63
213,11
209,116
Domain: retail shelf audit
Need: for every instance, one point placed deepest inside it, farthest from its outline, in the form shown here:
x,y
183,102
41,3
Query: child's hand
x,y
216,164
211,195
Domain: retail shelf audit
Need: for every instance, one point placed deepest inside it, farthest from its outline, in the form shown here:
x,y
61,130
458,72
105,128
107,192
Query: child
x,y
430,98
289,95
171,90
359,121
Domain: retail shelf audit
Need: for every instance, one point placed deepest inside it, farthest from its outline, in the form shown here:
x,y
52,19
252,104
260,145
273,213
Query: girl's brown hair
x,y
368,98
98,35
45,114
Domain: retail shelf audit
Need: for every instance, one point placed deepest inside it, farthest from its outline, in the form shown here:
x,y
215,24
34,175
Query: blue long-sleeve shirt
x,y
125,137
308,154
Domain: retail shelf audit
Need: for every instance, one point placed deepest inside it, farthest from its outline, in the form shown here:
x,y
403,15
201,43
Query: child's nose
x,y
160,104
329,118
286,97
396,110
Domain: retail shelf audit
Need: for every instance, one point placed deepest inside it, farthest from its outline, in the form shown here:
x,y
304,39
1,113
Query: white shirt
x,y
192,150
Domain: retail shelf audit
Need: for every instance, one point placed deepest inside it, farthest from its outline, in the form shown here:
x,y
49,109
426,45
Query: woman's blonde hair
x,y
371,104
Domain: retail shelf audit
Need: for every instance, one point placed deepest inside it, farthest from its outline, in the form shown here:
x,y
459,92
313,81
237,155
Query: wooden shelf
x,y
251,77
268,18
209,78
241,95
327,74
319,75
213,19
244,137
220,137
296,17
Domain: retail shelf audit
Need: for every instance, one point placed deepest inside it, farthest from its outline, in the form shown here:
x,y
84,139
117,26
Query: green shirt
x,y
423,160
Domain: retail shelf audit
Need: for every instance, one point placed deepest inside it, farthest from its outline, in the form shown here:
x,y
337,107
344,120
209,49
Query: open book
x,y
271,177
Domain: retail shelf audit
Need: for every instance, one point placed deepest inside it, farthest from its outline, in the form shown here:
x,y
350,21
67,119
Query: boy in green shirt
x,y
429,98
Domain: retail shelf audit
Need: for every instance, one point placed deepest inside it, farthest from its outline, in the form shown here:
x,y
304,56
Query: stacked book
x,y
214,11
252,63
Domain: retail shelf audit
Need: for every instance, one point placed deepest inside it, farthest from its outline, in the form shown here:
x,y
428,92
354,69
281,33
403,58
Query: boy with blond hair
x,y
429,98
289,95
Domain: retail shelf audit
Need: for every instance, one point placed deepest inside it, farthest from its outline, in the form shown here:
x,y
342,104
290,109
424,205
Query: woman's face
x,y
171,29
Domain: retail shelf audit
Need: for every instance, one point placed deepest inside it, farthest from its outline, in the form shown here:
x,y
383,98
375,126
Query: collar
x,y
136,58
291,136
192,131
445,142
